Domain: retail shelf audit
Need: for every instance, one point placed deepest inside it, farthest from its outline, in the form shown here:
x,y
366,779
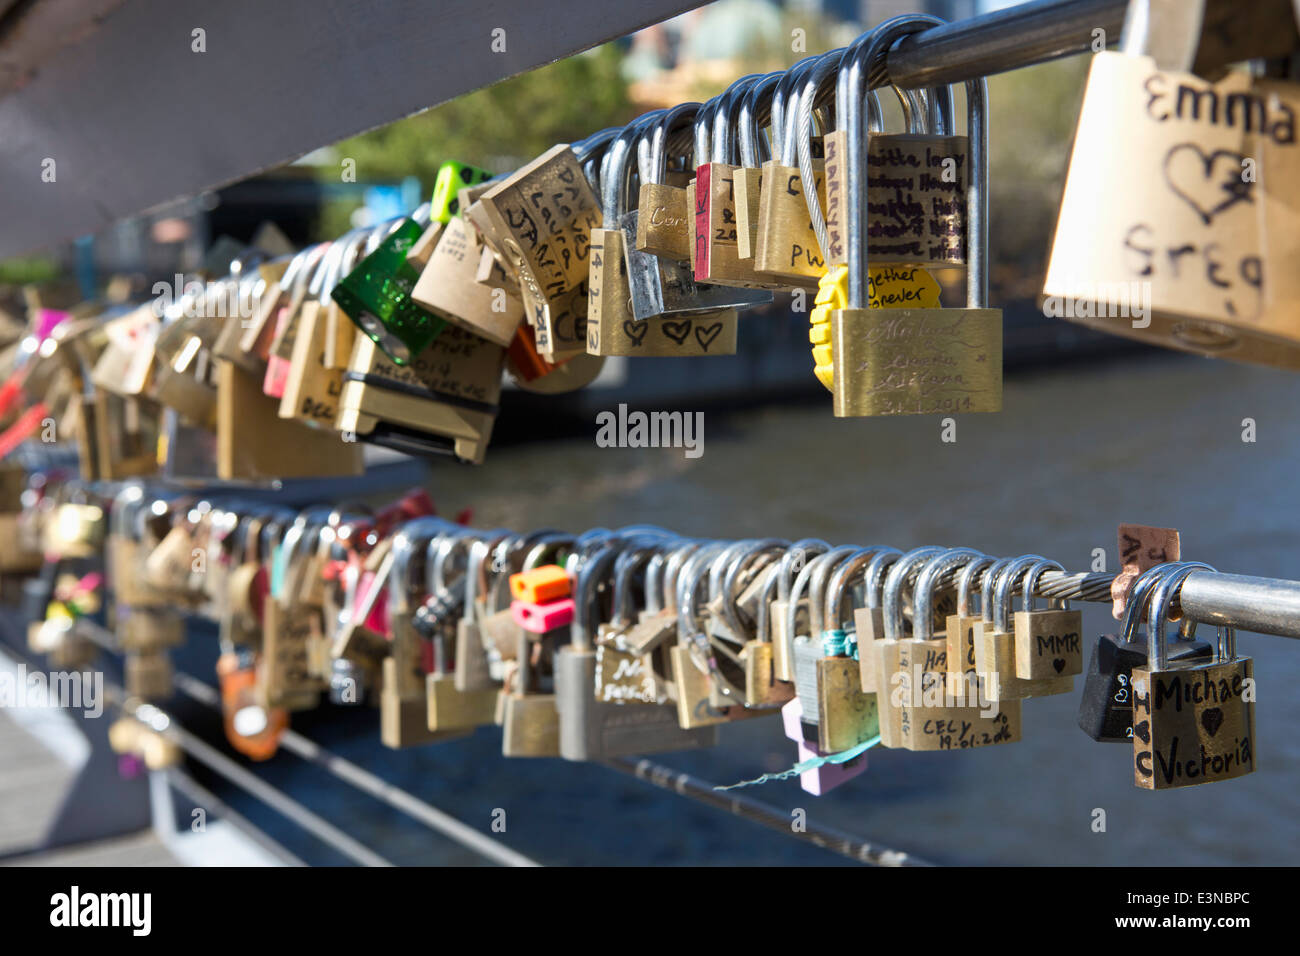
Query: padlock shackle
x,y
812,578
1138,599
763,619
1036,571
629,562
1169,33
678,118
594,570
781,97
923,591
892,598
988,584
755,113
837,588
799,553
865,70
672,567
1162,599
811,90
724,120
616,167
407,539
1005,589
966,581
758,549
873,578
689,579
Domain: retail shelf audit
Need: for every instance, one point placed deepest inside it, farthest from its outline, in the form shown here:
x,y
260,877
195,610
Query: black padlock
x,y
1106,707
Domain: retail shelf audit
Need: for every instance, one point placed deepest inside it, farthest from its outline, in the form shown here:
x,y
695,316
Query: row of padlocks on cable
x,y
652,240
637,640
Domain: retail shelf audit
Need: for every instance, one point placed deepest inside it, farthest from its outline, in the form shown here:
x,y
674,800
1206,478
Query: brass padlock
x,y
1193,722
995,639
449,288
613,325
962,627
928,718
786,245
529,720
1193,245
905,360
1049,642
444,400
756,112
540,219
717,257
148,674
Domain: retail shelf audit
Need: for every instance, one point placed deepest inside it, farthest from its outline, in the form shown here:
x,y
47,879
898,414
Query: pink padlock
x,y
828,776
277,369
377,619
540,618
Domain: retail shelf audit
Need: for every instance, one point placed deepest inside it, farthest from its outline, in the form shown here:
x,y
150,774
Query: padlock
x,y
591,728
147,674
539,219
451,179
548,582
1184,250
726,630
786,246
805,650
184,372
538,618
717,256
756,150
75,530
695,327
1193,723
149,629
826,776
1106,705
914,361
442,401
652,637
1049,642
289,629
847,716
961,629
869,620
448,287
376,295
472,668
885,674
799,554
664,285
254,444
995,640
530,722
304,305
699,703
450,708
622,674
930,719
532,373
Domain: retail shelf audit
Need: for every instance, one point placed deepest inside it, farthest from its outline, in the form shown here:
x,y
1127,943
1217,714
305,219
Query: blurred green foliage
x,y
1032,113
498,128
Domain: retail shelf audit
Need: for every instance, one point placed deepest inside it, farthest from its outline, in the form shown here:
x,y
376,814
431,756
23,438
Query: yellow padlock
x,y
889,287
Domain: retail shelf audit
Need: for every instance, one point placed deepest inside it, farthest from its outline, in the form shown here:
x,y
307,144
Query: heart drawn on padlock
x,y
1059,664
1142,732
705,334
1191,175
677,331
636,330
1212,720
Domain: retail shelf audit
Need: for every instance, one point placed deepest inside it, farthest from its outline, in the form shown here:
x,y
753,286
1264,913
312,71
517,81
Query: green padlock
x,y
376,295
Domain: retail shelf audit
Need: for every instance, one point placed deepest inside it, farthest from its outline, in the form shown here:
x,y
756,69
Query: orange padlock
x,y
252,729
550,582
